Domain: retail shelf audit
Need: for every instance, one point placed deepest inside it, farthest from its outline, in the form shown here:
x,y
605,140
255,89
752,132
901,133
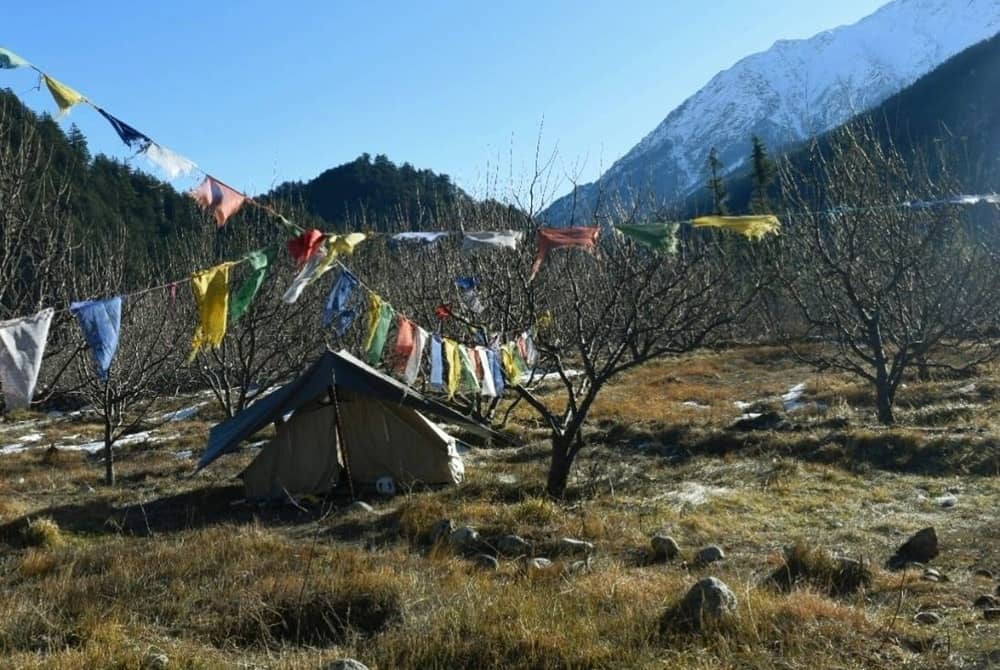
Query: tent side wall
x,y
301,459
385,439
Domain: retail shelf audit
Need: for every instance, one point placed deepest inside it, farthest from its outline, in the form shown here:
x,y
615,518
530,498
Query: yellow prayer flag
x,y
344,244
64,96
454,366
751,227
211,294
510,367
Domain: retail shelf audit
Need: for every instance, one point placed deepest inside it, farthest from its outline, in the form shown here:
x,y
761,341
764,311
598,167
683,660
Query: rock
x,y
571,547
442,530
463,537
986,602
513,545
709,554
360,506
539,564
487,562
984,573
947,501
992,614
577,567
665,548
932,575
927,618
709,599
346,664
920,548
155,661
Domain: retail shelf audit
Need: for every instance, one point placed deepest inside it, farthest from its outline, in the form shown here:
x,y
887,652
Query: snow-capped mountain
x,y
793,91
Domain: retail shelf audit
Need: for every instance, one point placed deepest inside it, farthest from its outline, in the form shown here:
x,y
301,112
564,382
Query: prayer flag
x,y
437,363
101,322
132,138
305,246
509,358
344,244
380,315
526,347
211,295
454,361
336,306
751,227
496,370
424,239
491,239
416,354
658,236
244,295
173,165
467,292
442,311
470,381
10,60
554,238
22,345
64,96
214,196
404,344
488,388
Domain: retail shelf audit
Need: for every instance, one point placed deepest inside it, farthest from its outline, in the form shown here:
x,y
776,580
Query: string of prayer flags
x,y
22,345
657,236
305,246
101,322
487,386
467,292
336,305
454,362
491,239
64,96
751,227
380,315
211,295
259,261
132,138
330,246
424,239
553,238
437,363
171,164
10,60
214,196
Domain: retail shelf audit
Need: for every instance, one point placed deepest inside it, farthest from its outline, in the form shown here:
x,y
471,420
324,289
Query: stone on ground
x,y
513,545
487,562
708,600
665,548
569,546
346,664
442,530
927,618
709,554
920,548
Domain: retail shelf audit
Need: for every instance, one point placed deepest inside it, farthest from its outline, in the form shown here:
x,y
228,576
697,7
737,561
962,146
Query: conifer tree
x,y
716,185
762,178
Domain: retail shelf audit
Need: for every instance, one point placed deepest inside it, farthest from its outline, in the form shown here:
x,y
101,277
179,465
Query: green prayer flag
x,y
469,379
259,263
376,342
658,236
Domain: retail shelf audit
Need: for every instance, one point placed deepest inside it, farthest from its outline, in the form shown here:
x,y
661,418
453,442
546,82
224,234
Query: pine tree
x,y
716,185
763,176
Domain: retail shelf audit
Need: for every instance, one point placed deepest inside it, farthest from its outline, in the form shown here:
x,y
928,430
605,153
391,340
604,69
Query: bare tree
x,y
882,286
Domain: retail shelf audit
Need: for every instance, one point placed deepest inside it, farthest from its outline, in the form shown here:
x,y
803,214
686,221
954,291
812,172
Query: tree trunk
x,y
559,466
884,400
109,456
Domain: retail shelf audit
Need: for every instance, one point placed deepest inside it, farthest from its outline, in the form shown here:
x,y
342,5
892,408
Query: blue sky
x,y
262,92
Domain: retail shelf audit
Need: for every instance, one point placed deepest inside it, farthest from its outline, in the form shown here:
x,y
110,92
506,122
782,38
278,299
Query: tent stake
x,y
340,440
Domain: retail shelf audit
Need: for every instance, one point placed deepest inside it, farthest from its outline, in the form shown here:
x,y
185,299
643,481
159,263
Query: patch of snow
x,y
967,389
182,414
749,416
184,455
742,405
545,377
695,405
693,493
793,399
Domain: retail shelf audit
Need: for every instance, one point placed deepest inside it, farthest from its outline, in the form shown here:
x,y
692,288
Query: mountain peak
x,y
793,91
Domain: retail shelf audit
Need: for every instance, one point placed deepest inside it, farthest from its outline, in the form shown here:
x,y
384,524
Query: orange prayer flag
x,y
553,238
216,197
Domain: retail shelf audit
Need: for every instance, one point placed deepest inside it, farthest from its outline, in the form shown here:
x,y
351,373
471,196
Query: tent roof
x,y
340,369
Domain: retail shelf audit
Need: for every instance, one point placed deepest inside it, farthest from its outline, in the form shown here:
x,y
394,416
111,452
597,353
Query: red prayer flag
x,y
404,345
305,246
553,238
218,198
442,311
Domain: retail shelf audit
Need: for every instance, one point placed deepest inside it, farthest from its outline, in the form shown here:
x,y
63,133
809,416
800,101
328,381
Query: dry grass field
x,y
172,567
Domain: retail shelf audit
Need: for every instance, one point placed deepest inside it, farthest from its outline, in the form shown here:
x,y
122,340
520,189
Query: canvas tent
x,y
375,428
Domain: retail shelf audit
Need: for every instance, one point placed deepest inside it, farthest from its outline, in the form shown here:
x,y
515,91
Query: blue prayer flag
x,y
336,302
101,322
